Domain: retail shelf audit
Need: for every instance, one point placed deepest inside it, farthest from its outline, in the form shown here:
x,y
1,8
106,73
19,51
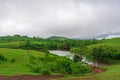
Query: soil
x,y
97,69
27,77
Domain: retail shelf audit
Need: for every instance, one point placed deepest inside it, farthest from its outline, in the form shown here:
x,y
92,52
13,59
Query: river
x,y
69,55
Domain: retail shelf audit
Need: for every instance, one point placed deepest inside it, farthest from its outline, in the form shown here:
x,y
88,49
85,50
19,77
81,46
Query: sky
x,y
68,18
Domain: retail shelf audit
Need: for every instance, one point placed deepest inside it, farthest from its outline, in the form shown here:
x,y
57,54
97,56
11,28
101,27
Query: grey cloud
x,y
70,18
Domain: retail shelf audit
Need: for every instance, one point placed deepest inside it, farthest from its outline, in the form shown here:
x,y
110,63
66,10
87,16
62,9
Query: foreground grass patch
x,y
15,60
112,73
30,62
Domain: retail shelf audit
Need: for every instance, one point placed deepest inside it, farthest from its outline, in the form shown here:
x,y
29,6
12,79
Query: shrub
x,y
45,71
79,68
2,58
77,58
13,60
34,68
63,65
106,54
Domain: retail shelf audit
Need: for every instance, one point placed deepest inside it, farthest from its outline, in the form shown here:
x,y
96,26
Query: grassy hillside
x,y
115,43
112,73
15,60
30,62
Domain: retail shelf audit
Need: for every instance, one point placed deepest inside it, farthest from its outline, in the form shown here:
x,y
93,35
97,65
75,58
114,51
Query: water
x,y
69,55
62,53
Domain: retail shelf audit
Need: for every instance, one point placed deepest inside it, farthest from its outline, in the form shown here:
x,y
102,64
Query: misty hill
x,y
108,36
57,38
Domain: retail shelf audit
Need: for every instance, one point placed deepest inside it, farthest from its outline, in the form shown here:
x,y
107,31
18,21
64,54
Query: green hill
x,y
57,38
30,62
114,43
12,61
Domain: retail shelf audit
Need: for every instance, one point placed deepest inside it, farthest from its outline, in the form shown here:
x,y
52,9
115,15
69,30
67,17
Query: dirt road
x,y
30,77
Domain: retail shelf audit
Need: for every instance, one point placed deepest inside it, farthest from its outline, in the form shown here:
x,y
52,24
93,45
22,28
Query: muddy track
x,y
97,69
27,77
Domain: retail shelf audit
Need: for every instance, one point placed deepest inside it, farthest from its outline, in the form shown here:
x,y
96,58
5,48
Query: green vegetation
x,y
112,73
36,43
19,62
106,54
106,50
114,43
22,55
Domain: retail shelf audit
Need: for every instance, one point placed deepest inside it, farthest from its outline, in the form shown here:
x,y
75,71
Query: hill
x,y
57,38
114,43
30,62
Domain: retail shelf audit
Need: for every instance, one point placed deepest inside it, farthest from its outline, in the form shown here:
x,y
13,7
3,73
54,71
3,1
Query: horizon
x,y
107,36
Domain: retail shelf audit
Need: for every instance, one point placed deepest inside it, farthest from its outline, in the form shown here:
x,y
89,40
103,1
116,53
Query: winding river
x,y
69,55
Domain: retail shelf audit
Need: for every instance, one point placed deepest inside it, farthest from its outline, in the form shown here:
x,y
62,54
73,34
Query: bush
x,y
63,65
13,60
45,71
2,58
34,68
49,64
106,54
67,66
77,58
79,68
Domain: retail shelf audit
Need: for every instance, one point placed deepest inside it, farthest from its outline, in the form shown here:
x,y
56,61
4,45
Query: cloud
x,y
69,18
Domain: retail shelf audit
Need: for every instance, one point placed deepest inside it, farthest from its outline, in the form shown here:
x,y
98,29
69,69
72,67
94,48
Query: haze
x,y
68,18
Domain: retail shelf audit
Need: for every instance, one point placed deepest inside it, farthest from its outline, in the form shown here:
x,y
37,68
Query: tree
x,y
28,43
77,58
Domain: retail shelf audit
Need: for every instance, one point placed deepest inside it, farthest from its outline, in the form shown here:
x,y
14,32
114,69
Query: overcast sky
x,y
69,18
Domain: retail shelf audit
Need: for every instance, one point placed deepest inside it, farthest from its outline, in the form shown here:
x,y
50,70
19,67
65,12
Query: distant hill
x,y
109,36
57,38
113,42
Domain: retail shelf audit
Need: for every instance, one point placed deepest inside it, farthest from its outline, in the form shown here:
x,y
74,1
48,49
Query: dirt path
x,y
97,69
30,77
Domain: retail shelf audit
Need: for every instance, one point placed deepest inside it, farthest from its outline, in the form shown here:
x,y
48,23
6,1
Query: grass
x,y
114,43
14,44
21,58
112,73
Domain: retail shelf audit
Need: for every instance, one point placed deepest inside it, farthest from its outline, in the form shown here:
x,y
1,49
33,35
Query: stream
x,y
69,55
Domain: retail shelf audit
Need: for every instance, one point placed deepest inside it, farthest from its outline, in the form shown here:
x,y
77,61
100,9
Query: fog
x,y
68,18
